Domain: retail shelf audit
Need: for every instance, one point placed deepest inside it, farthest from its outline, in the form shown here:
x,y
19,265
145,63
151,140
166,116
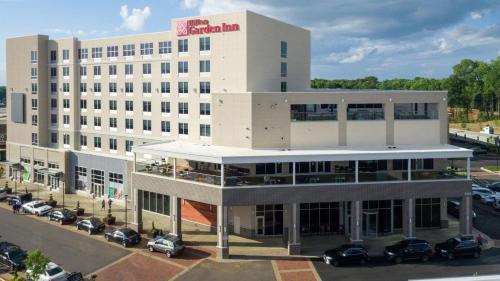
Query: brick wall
x,y
199,212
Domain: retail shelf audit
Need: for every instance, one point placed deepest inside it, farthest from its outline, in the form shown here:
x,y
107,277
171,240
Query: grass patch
x,y
493,168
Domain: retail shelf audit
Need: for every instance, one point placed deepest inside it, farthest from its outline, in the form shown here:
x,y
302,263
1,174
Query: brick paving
x,y
298,276
295,270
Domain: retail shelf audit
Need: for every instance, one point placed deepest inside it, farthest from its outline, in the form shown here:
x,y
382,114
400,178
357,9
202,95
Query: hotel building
x,y
214,122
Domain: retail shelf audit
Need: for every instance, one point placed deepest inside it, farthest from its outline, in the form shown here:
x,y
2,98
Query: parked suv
x,y
124,236
19,198
62,216
346,254
13,257
480,192
409,249
169,244
455,247
91,225
454,209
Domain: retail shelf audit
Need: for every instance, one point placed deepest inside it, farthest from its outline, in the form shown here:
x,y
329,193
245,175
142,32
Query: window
x,y
165,68
183,45
128,145
165,126
129,124
283,86
313,112
366,111
204,109
155,202
112,69
146,49
204,87
34,72
146,87
415,111
112,87
66,71
66,103
53,137
283,69
53,55
34,138
112,51
165,87
129,69
83,54
165,107
34,120
97,53
129,105
53,103
146,68
113,105
146,125
204,66
146,106
97,87
97,104
83,87
65,54
53,72
65,87
116,178
204,43
183,87
34,104
204,130
97,121
34,88
80,178
165,47
183,67
83,120
34,56
66,139
97,70
83,140
113,144
128,50
183,108
183,128
53,119
83,71
129,87
97,142
53,87
284,49
66,119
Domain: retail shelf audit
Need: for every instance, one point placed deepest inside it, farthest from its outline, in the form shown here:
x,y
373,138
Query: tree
x,y
492,81
36,263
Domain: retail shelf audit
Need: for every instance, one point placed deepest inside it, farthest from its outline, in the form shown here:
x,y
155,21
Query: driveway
x,y
73,251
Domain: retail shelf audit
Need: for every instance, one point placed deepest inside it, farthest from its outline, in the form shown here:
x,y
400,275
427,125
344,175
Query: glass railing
x,y
325,178
313,116
438,175
365,115
155,169
257,180
409,115
383,176
198,177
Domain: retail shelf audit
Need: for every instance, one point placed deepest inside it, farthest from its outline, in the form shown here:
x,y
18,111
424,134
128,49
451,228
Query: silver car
x,y
169,244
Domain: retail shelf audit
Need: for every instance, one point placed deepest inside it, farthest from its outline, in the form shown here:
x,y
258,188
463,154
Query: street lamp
x,y
126,209
93,198
64,191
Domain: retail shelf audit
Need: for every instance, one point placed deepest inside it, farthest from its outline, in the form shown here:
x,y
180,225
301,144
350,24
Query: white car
x,y
480,192
53,272
3,194
38,208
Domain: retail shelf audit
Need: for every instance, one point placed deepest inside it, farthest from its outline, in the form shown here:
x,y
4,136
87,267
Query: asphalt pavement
x,y
72,251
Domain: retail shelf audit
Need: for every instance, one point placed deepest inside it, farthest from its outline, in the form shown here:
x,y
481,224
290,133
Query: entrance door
x,y
53,182
260,225
370,224
236,225
98,189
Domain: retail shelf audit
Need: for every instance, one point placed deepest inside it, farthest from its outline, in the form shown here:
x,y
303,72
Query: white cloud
x,y
443,46
190,4
475,15
136,19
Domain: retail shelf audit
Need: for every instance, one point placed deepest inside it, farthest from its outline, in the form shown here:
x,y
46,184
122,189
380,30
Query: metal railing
x,y
313,116
374,114
410,115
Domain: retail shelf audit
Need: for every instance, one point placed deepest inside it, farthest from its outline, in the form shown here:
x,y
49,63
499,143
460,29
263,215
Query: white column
x,y
293,173
222,175
222,232
357,171
135,161
175,169
468,168
409,169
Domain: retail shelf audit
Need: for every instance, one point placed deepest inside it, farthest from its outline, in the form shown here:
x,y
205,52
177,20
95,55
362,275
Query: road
x,y
73,251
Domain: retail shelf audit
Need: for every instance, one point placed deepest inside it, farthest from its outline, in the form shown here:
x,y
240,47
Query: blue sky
x,y
350,38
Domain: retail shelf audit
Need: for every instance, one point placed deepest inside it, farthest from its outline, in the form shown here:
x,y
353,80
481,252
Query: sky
x,y
350,38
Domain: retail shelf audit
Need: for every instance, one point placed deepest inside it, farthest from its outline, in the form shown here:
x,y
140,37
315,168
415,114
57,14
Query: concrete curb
x,y
489,171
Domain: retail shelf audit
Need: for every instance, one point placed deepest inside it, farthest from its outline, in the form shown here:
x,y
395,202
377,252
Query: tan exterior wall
x,y
314,134
421,131
366,133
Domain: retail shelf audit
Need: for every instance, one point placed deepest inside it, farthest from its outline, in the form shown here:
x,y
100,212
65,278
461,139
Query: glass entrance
x,y
98,190
53,182
370,224
260,225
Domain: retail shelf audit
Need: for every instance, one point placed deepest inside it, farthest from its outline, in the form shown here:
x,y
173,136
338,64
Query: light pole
x,y
64,191
93,197
126,209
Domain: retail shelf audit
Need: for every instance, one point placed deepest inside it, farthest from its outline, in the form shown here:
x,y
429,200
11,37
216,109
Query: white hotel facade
x,y
215,122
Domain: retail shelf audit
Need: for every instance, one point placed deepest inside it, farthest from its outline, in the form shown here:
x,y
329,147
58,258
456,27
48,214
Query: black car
x,y
455,247
13,257
346,254
62,216
453,207
91,225
124,236
19,198
4,245
409,249
494,186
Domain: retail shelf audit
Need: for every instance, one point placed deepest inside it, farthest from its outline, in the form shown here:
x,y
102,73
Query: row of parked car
x,y
408,249
488,194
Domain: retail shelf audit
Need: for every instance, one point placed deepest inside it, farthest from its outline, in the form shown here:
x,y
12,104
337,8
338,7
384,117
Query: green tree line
x,y
473,84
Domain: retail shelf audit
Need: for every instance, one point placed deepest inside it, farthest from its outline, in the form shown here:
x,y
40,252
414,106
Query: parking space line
x,y
276,270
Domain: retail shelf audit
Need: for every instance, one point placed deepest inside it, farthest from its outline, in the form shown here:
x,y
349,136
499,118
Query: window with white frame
x,y
97,104
83,104
34,120
112,51
129,69
283,69
53,72
83,87
53,87
113,144
97,87
146,68
165,107
34,56
34,104
83,120
204,66
146,106
183,108
205,130
113,105
83,140
97,70
165,68
165,47
128,145
183,128
146,87
97,121
66,103
146,125
66,119
204,43
83,71
53,103
183,67
83,54
165,126
65,71
129,124
80,178
204,87
183,45
53,119
183,87
65,54
284,49
128,50
112,87
204,109
97,53
129,87
34,72
34,138
146,49
34,88
165,87
129,105
53,55
66,139
66,87
53,137
112,69
97,142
